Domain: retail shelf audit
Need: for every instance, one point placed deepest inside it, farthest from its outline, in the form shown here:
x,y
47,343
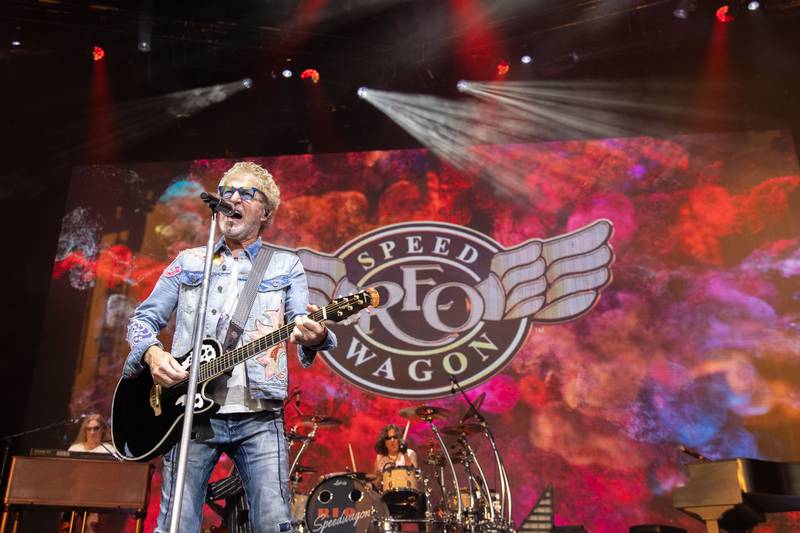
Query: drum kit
x,y
403,496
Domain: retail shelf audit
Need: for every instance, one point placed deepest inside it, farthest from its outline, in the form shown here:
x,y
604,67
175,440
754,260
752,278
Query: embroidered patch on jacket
x,y
172,271
139,331
274,363
274,359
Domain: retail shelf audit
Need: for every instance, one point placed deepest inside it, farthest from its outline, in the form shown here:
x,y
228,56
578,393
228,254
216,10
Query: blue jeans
x,y
257,445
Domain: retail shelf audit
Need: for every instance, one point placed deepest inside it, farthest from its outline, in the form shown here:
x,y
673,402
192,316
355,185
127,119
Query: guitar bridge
x,y
155,399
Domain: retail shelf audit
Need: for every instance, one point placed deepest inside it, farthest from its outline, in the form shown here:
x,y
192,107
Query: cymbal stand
x,y
449,459
472,456
309,438
471,515
505,488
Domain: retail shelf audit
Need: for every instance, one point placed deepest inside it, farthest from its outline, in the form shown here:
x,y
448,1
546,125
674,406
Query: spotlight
x,y
752,6
684,8
310,74
724,14
16,43
462,86
503,67
362,92
286,73
526,59
247,83
98,53
143,46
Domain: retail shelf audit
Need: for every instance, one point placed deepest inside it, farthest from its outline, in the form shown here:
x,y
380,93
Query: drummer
x,y
392,450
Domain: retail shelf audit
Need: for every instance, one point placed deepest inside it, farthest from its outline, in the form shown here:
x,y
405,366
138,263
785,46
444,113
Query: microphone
x,y
218,204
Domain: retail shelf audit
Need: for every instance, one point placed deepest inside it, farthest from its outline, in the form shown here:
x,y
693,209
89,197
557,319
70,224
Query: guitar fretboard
x,y
230,359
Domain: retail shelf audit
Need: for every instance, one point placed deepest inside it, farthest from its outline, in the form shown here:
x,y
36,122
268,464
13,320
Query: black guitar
x,y
145,417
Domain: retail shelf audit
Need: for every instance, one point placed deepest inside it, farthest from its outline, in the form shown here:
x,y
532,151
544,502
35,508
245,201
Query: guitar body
x,y
146,418
142,429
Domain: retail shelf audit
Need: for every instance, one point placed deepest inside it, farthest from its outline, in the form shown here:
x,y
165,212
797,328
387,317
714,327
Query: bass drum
x,y
344,504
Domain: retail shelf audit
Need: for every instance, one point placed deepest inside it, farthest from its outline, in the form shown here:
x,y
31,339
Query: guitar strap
x,y
245,304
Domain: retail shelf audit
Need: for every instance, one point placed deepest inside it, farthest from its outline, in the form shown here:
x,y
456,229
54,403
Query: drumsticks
x,y
352,458
405,431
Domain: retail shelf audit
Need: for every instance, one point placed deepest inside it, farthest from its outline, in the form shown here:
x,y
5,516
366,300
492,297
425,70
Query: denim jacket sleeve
x,y
150,317
295,305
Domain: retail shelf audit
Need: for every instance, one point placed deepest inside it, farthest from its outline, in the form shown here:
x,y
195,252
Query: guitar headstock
x,y
341,308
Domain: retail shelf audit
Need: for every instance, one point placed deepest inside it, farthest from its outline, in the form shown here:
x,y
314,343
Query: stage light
x,y
362,92
684,8
247,83
16,43
753,6
724,14
286,73
98,53
143,46
526,59
503,67
462,86
310,74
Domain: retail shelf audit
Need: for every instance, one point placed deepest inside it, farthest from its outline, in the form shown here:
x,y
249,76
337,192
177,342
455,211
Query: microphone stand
x,y
216,204
505,487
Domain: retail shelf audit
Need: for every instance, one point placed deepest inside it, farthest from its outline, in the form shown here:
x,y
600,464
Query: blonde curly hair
x,y
267,185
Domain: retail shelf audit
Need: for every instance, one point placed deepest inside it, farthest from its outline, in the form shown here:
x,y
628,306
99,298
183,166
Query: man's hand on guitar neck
x,y
164,368
308,333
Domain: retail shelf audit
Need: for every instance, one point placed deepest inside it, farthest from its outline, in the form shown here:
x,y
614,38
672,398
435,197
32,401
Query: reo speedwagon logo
x,y
453,301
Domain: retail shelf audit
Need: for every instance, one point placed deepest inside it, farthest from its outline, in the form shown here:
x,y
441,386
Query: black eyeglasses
x,y
392,437
93,428
245,193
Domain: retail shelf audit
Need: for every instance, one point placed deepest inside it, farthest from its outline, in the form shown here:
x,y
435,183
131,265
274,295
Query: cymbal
x,y
299,438
424,412
320,420
462,429
473,409
299,469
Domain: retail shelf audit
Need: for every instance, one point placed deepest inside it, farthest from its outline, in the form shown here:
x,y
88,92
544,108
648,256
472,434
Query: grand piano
x,y
735,494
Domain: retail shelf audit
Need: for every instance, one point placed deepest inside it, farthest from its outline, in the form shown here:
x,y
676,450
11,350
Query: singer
x,y
249,424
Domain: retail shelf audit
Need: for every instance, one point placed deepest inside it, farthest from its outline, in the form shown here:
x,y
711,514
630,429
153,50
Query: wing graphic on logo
x,y
552,280
326,275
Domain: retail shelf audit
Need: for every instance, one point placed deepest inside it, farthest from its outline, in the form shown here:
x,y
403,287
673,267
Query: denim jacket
x,y
282,295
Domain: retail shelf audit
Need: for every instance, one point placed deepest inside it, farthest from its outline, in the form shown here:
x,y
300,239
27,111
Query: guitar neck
x,y
239,355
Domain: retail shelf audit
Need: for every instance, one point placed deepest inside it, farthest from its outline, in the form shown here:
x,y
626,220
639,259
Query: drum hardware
x,y
298,499
472,457
424,413
427,413
321,421
297,438
462,429
503,519
316,421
